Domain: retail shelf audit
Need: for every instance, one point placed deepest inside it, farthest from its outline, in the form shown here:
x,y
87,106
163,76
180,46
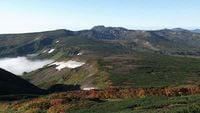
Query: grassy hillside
x,y
135,70
57,103
151,70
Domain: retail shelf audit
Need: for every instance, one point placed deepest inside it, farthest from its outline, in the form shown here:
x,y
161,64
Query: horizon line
x,y
89,28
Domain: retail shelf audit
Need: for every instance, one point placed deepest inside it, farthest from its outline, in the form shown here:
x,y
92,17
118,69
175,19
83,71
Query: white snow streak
x,y
69,64
89,88
80,54
52,50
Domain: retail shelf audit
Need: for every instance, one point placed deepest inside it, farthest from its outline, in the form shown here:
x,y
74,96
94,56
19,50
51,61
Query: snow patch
x,y
44,51
80,54
89,88
52,50
69,64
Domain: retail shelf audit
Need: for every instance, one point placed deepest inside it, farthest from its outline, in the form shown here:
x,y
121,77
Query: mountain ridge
x,y
162,40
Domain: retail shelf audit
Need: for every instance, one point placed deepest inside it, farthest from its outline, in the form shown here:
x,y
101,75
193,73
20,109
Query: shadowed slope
x,y
12,84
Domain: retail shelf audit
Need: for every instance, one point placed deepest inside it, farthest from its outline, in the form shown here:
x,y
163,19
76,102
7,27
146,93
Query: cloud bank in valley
x,y
19,65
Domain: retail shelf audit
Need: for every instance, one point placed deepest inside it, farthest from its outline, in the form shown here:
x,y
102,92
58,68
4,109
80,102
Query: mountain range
x,y
164,41
108,56
103,69
97,49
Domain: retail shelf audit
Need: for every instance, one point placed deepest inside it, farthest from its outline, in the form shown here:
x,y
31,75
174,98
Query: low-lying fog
x,y
19,65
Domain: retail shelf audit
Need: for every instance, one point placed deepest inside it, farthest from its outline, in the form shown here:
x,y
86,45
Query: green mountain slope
x,y
163,41
113,56
135,70
109,57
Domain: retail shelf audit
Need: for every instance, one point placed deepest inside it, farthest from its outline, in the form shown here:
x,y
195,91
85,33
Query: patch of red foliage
x,y
111,93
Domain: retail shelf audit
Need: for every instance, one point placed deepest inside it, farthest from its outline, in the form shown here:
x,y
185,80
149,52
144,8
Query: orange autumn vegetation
x,y
62,102
135,92
51,105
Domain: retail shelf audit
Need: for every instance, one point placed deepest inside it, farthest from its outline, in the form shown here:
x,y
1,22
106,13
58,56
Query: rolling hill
x,y
196,30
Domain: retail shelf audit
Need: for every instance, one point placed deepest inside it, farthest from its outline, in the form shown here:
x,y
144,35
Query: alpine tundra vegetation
x,y
150,63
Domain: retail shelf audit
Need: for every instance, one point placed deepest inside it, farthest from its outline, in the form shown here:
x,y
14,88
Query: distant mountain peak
x,y
102,27
179,29
102,32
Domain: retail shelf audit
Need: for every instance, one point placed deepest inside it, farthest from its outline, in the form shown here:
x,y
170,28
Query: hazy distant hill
x,y
196,30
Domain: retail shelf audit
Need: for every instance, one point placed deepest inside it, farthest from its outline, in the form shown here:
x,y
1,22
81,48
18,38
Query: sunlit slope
x,y
164,41
132,70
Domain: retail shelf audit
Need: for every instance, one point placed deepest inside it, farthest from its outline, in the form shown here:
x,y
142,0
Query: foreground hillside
x,y
111,101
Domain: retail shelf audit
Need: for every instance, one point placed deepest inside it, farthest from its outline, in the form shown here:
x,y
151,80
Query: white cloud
x,y
22,64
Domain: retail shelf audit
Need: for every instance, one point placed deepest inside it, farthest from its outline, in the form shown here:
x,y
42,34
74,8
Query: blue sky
x,y
19,16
